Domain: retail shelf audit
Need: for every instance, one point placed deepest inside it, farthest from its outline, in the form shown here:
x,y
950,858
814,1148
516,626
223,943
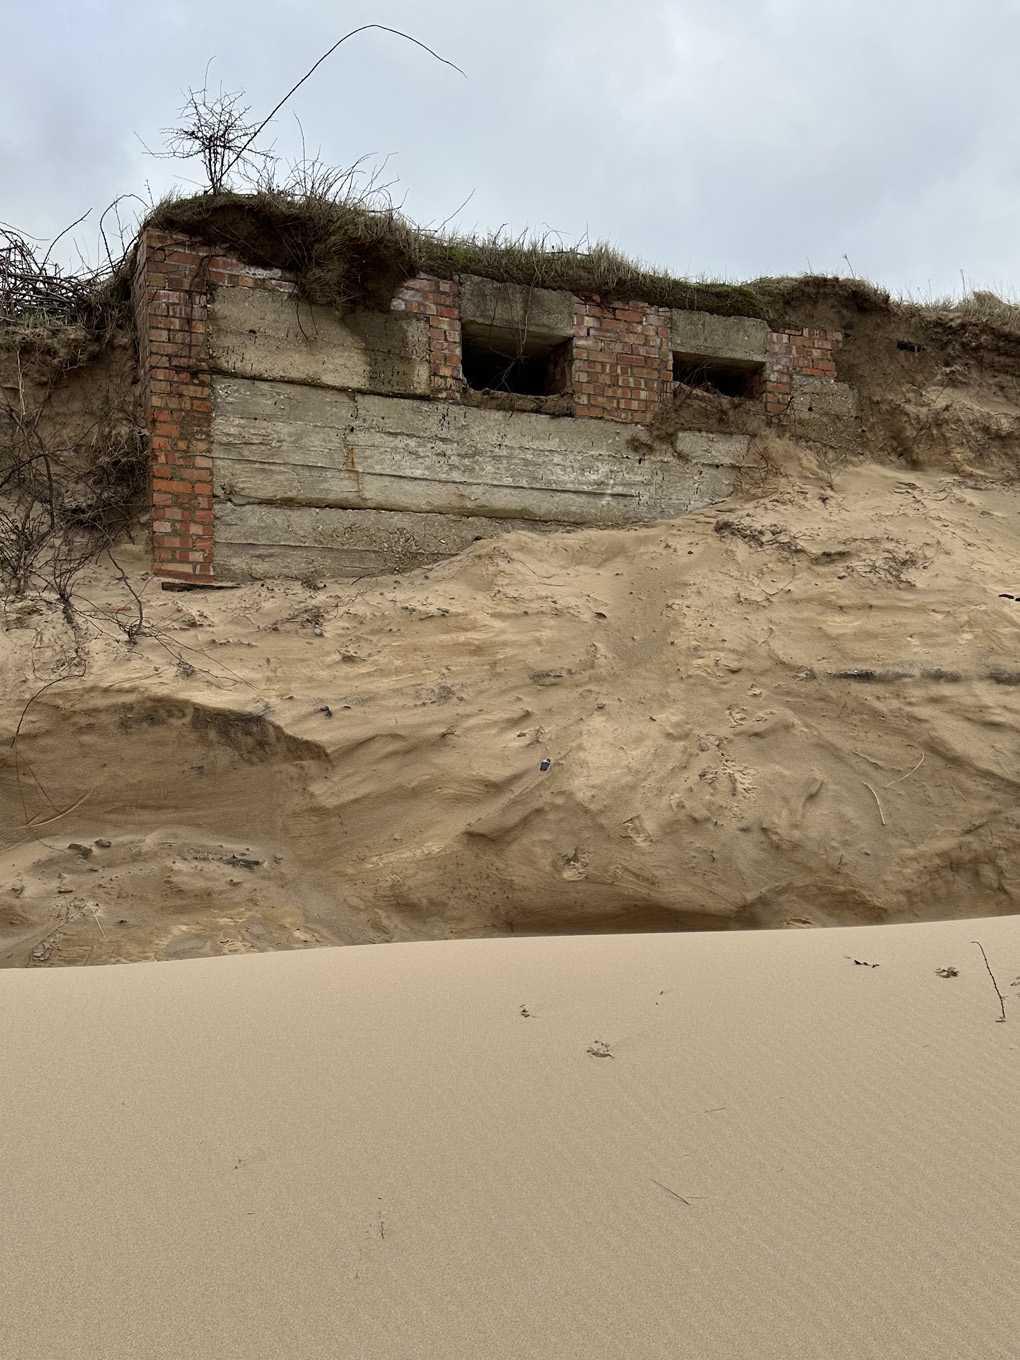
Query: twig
x,y
875,796
671,1192
447,220
907,775
49,685
1002,1000
113,208
779,589
49,820
49,251
95,918
353,33
131,630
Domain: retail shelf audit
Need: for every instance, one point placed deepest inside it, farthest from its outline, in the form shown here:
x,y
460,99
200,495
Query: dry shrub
x,y
72,460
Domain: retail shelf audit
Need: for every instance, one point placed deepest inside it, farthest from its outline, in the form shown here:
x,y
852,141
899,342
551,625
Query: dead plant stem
x,y
876,798
1001,1020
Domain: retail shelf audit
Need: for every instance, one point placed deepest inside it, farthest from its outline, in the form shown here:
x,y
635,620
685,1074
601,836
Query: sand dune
x,y
737,1145
798,710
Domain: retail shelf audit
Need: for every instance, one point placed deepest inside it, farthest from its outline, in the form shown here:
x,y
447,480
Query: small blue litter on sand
x,y
545,764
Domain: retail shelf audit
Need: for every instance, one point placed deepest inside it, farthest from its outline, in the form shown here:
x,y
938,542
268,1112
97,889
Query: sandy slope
x,y
376,1153
801,709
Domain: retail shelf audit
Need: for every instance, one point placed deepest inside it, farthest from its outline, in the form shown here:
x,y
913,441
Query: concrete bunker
x,y
289,438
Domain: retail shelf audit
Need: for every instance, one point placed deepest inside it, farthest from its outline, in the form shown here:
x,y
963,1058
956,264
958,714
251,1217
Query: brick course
x,y
622,361
439,300
806,353
618,366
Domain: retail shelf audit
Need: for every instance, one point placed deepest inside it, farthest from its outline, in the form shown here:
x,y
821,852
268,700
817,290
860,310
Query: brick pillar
x,y
174,277
623,363
439,300
806,353
171,302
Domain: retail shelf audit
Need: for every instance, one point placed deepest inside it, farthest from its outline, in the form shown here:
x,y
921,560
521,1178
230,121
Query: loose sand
x,y
374,1152
801,709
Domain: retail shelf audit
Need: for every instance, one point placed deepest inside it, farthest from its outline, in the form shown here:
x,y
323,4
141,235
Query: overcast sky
x,y
728,138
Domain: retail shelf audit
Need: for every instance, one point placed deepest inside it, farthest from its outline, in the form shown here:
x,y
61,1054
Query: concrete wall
x,y
258,540
322,465
259,334
294,461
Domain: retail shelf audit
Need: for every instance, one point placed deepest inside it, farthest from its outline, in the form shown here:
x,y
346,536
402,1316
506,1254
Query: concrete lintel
x,y
739,340
540,312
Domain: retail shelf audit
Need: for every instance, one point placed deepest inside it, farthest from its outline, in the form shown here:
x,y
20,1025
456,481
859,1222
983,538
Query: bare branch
x,y
312,69
215,130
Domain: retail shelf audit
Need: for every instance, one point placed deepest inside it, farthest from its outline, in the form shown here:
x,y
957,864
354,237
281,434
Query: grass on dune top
x,y
348,254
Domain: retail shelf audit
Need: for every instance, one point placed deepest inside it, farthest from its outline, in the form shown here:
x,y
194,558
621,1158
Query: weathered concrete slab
x,y
275,336
699,335
825,414
717,450
545,313
257,541
823,397
285,444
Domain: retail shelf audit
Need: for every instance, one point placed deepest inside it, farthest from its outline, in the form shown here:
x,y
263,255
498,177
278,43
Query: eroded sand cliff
x,y
798,708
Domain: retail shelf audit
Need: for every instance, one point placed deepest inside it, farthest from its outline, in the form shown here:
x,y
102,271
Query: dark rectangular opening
x,y
496,360
732,379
